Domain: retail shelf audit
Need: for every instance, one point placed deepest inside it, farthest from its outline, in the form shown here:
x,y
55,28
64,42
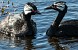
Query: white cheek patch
x,y
60,6
27,9
26,12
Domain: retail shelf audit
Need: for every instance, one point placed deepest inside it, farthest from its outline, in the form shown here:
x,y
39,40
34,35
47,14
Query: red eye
x,y
55,6
33,11
36,11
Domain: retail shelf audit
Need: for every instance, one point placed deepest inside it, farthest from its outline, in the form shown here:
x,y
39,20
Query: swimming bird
x,y
20,24
62,29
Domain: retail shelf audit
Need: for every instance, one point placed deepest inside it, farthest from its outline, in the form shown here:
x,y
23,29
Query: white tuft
x,y
60,6
27,9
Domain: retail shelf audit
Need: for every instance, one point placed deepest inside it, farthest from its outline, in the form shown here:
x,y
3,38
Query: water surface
x,y
43,21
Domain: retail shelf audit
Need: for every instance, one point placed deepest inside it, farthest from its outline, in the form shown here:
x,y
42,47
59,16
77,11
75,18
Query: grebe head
x,y
58,6
30,8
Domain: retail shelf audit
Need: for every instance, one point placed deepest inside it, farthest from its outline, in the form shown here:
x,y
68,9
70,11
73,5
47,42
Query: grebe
x,y
20,24
60,29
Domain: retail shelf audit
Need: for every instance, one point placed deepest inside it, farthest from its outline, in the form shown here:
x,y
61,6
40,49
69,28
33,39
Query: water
x,y
43,21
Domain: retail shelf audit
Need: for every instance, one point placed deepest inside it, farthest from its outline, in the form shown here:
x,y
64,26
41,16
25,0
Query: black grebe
x,y
20,24
60,29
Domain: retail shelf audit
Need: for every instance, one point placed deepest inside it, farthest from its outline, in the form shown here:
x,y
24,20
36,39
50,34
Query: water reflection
x,y
55,42
24,43
29,43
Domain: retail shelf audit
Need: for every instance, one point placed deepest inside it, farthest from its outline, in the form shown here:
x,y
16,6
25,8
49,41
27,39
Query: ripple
x,y
43,21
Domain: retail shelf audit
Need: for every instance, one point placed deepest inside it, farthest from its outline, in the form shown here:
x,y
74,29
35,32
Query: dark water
x,y
43,21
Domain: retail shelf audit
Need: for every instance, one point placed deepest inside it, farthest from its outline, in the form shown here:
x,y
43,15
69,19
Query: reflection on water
x,y
16,42
29,43
55,42
68,43
43,21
